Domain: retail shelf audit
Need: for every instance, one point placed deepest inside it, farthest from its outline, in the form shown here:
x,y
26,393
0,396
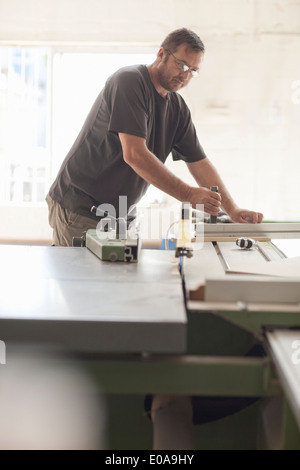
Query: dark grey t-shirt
x,y
94,171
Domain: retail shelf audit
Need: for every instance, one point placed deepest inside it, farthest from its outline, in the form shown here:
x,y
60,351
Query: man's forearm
x,y
152,170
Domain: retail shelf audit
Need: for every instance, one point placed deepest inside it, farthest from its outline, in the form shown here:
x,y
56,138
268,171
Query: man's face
x,y
171,75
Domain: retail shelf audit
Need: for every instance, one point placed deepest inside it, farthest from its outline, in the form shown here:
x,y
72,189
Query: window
x,y
24,124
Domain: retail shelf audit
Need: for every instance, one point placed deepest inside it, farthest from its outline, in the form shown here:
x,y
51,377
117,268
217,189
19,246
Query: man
x,y
136,122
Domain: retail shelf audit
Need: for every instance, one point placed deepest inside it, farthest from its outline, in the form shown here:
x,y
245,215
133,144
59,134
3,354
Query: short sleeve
x,y
127,104
187,146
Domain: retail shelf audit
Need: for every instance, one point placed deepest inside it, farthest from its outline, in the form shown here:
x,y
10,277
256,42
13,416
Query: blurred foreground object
x,y
47,402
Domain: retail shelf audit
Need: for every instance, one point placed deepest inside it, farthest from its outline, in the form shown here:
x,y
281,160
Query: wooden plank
x,y
204,262
287,267
243,288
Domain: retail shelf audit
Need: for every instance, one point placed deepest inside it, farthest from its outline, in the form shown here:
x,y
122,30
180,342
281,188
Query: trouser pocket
x,y
60,215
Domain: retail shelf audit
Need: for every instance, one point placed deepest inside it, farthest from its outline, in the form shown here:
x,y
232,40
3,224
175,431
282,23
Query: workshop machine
x,y
114,239
218,318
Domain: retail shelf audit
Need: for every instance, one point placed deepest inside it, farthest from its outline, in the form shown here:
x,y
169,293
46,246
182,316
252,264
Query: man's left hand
x,y
244,216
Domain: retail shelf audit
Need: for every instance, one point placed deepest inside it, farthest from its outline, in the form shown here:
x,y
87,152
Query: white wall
x,y
245,108
139,20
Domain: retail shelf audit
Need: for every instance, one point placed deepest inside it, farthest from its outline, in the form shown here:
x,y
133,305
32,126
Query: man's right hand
x,y
211,200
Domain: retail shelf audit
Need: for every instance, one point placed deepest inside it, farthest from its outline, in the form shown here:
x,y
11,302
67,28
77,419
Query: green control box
x,y
112,249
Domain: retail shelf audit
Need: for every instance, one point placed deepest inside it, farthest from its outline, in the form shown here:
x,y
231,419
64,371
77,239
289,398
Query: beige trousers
x,y
67,224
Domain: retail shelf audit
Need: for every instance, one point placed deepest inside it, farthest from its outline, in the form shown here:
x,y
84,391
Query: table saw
x,y
147,327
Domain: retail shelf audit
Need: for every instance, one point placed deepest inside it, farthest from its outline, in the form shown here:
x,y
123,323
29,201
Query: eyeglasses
x,y
183,67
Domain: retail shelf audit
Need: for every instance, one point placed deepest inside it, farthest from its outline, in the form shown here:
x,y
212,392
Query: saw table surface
x,y
70,297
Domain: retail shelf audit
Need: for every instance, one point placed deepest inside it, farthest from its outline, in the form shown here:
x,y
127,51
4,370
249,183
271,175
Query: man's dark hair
x,y
183,36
